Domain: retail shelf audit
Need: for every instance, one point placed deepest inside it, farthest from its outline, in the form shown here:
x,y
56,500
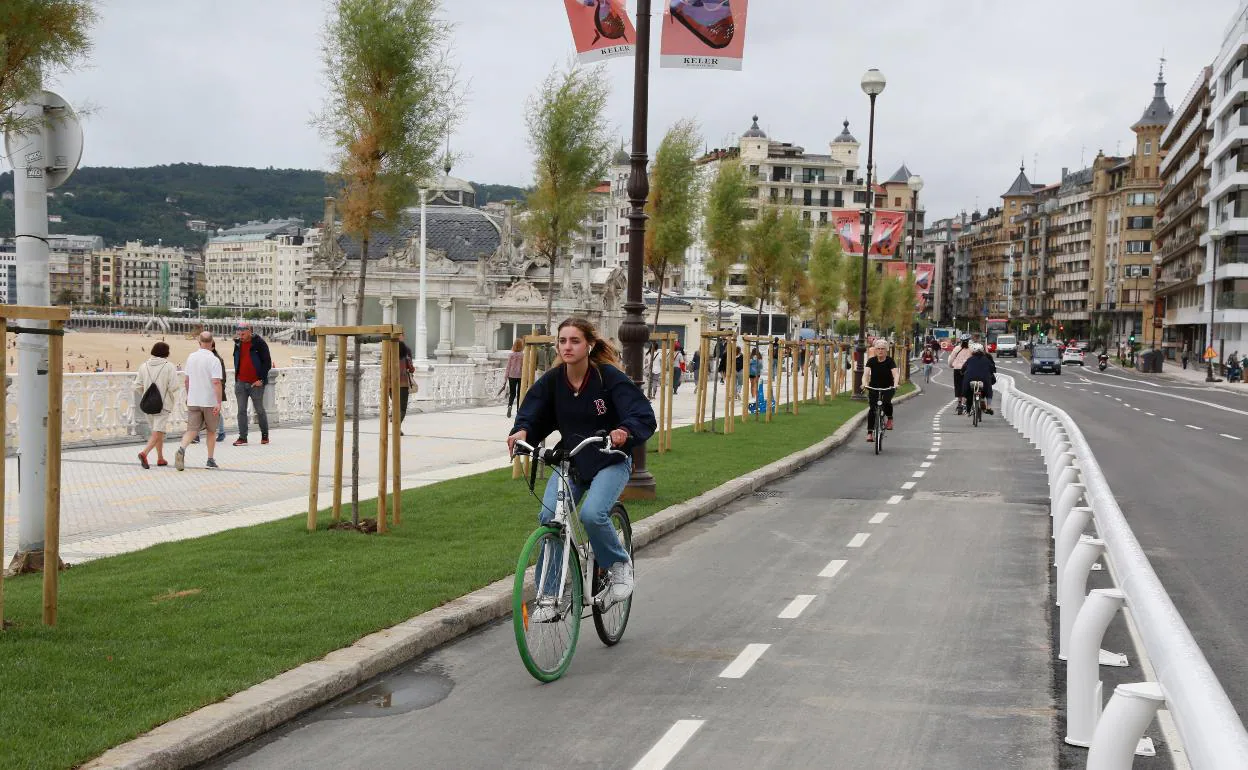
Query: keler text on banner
x,y
703,34
601,29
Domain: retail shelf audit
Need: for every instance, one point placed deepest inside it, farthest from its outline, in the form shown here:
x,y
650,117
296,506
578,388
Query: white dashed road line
x,y
748,657
858,540
799,603
925,465
908,485
669,745
834,566
1232,438
1194,427
1168,419
919,474
895,499
882,515
1150,414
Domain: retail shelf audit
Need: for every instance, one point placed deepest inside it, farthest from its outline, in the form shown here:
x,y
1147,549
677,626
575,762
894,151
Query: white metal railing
x,y
102,407
1210,730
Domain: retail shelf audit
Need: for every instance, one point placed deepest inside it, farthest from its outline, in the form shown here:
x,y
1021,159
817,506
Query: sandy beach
x,y
123,352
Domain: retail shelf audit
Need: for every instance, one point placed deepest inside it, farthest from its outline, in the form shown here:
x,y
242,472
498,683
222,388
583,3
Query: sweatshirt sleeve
x,y
636,413
536,412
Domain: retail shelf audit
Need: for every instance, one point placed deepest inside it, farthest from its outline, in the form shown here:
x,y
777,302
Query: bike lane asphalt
x,y
865,612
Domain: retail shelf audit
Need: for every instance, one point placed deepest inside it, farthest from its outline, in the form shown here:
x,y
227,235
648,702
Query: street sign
x,y
1210,353
62,141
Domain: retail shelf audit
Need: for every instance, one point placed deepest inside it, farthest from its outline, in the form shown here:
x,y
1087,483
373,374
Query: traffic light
x,y
1131,339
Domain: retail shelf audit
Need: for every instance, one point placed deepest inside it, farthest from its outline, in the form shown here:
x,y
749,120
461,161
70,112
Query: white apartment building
x,y
603,242
1227,198
784,173
257,265
146,275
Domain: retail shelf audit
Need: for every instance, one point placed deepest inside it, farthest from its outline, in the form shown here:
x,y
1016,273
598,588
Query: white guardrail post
x,y
1211,734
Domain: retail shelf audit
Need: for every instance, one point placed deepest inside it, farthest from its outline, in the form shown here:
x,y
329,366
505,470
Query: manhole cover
x,y
768,493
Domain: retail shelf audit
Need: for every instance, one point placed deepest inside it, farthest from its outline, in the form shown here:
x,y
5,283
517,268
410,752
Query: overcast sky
x,y
973,85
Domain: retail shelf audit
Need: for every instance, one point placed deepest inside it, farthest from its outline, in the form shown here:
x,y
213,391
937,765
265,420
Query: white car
x,y
1072,355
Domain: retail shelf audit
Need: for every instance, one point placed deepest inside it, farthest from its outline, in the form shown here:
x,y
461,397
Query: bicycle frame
x,y
562,521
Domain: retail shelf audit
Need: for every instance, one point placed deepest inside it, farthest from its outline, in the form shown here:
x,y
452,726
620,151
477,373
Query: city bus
x,y
992,328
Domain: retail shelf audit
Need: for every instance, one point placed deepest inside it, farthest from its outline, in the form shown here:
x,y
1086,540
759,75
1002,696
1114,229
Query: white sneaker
x,y
621,576
543,613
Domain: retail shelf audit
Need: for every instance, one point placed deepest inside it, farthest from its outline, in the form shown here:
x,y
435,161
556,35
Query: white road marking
x,y
834,566
669,745
1136,408
1232,438
1194,427
1116,398
931,457
1168,419
858,540
925,465
882,515
908,485
799,603
918,474
1150,414
895,499
748,657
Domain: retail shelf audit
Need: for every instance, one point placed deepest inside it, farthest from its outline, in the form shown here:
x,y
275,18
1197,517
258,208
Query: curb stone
x,y
220,727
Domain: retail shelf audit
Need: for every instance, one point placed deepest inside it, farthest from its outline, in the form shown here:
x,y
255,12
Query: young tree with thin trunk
x,y
852,275
723,231
826,276
775,241
571,143
38,38
675,188
391,100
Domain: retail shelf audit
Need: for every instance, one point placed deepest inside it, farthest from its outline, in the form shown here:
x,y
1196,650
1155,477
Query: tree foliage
x,y
773,244
571,143
390,101
672,204
723,224
38,38
852,275
827,279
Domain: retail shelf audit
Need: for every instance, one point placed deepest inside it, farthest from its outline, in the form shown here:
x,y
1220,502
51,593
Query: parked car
x,y
1045,358
1072,355
1007,345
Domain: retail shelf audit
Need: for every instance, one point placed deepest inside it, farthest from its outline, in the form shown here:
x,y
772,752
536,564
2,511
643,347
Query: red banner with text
x,y
703,34
601,29
924,274
887,229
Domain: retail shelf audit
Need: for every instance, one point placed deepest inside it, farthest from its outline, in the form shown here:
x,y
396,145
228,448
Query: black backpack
x,y
152,402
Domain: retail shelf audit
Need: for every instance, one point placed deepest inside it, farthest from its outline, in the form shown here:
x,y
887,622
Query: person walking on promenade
x,y
696,366
1186,354
515,369
160,372
204,378
221,419
678,366
252,363
654,365
406,370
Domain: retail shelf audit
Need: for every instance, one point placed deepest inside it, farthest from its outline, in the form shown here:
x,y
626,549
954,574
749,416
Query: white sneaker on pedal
x,y
621,577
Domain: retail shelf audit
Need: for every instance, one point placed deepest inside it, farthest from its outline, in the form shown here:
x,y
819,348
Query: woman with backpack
x,y
158,382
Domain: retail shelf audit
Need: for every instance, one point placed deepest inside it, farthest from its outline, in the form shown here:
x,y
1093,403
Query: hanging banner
x,y
703,34
887,229
601,29
924,273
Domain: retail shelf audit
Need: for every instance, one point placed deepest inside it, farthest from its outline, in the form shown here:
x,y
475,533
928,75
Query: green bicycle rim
x,y
519,608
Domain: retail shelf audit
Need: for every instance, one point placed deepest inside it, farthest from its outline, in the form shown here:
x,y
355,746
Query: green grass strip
x,y
146,637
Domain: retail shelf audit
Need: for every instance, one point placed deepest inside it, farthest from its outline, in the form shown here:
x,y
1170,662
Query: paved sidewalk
x,y
110,505
1196,373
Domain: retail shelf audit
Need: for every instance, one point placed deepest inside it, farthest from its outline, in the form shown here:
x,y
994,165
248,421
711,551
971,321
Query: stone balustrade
x,y
102,407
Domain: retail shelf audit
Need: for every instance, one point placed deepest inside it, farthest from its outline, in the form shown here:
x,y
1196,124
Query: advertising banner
x,y
924,274
601,29
887,229
703,34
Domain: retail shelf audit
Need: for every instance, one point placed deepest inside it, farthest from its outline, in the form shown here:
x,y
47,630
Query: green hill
x,y
155,203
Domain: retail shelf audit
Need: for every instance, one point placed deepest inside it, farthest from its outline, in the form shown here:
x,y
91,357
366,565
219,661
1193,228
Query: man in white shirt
x,y
204,376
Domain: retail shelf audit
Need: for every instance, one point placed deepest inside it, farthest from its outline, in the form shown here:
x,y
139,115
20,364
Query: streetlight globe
x,y
1216,234
915,183
873,82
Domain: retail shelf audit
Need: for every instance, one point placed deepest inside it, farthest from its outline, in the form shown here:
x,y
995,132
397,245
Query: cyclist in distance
x,y
583,394
979,367
879,370
957,359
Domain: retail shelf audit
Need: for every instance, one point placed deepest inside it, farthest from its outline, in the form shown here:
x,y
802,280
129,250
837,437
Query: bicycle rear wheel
x,y
611,622
546,625
879,430
975,413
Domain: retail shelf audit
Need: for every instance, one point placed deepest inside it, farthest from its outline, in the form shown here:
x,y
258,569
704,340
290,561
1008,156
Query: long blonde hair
x,y
601,351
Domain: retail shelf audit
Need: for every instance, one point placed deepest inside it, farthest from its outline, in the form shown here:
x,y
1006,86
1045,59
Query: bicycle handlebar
x,y
557,455
868,387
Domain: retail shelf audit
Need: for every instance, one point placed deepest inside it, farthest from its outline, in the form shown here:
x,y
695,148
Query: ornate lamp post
x,y
1215,236
633,331
1156,282
873,83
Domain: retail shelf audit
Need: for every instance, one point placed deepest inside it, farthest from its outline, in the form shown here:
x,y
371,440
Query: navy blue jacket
x,y
608,401
260,357
978,367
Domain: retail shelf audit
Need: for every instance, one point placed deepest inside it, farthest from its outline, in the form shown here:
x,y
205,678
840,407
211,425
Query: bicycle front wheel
x,y
547,621
610,623
879,431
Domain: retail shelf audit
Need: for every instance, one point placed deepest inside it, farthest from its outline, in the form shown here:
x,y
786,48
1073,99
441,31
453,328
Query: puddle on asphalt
x,y
401,693
665,545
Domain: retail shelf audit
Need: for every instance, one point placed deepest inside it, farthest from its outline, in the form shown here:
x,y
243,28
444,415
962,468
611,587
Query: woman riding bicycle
x,y
582,395
979,368
880,372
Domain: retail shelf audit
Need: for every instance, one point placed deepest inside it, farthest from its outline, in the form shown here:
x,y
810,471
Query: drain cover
x,y
768,493
965,493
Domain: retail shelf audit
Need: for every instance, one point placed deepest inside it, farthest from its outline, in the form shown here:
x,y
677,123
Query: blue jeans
x,y
595,510
242,392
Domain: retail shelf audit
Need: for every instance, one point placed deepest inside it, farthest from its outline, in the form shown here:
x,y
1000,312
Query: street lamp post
x,y
873,83
915,183
633,330
1156,282
1215,235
